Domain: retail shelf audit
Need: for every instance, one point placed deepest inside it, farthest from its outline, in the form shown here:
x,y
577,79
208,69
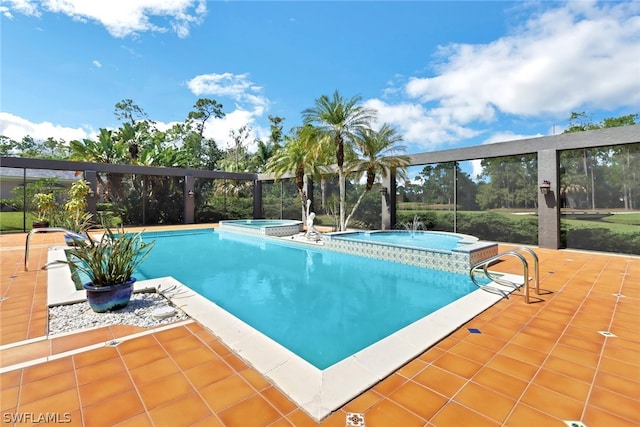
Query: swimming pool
x,y
263,227
420,239
318,392
291,293
437,250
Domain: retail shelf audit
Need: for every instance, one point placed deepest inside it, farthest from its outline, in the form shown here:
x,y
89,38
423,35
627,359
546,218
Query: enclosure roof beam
x,y
565,141
20,162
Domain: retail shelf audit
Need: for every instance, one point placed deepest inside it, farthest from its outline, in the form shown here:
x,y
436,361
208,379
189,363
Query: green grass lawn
x,y
13,221
612,224
624,218
619,222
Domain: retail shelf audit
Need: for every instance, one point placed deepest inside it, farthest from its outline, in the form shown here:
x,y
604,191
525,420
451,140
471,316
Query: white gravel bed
x,y
139,312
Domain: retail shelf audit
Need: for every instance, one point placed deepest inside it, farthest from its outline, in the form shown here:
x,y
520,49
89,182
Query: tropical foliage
x,y
46,205
337,122
339,146
377,154
111,259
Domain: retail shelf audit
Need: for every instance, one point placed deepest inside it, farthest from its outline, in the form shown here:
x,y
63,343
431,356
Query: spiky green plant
x,y
111,259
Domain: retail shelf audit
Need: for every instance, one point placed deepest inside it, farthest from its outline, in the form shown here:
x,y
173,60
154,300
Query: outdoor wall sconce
x,y
545,187
191,193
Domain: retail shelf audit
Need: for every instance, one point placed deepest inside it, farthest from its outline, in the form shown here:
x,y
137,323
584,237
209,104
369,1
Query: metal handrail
x,y
536,265
497,279
73,234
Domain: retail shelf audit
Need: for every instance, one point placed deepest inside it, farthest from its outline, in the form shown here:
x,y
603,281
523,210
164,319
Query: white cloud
x,y
503,136
564,58
5,12
121,18
219,129
26,7
249,102
582,56
96,63
235,86
16,128
427,129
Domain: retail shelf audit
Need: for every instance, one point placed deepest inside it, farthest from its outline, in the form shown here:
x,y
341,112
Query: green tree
x,y
7,146
204,109
625,174
337,120
236,159
127,111
628,120
299,156
510,182
292,157
580,122
439,181
265,150
201,152
54,148
106,149
262,155
378,153
28,147
583,182
276,136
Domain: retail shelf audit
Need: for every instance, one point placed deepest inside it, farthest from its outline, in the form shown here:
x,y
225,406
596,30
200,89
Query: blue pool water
x,y
322,305
421,239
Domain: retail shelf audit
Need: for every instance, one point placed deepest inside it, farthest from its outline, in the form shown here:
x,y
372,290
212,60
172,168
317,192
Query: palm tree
x,y
107,149
378,153
263,153
297,156
337,121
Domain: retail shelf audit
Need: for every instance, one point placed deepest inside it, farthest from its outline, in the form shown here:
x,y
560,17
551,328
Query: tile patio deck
x,y
531,365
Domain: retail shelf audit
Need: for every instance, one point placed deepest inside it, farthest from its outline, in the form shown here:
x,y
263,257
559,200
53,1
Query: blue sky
x,y
446,74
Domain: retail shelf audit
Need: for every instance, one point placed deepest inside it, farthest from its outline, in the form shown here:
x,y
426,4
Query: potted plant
x,y
75,218
46,206
78,226
109,262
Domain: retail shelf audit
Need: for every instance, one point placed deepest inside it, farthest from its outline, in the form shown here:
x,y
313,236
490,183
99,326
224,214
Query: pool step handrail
x,y
73,234
498,278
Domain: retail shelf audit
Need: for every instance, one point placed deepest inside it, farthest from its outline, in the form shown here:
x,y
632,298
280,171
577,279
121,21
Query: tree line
x,y
336,137
336,140
591,178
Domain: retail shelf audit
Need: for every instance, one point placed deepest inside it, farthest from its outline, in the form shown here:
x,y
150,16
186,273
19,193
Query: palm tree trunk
x,y
303,205
323,193
355,207
343,197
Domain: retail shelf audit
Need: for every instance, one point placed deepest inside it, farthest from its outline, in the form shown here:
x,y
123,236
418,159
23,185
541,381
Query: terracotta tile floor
x,y
530,365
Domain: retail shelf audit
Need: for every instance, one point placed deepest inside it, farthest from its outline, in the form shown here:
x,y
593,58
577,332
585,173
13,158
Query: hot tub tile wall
x,y
274,230
480,251
457,261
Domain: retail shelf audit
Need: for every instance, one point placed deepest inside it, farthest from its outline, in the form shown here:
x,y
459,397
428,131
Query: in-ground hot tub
x,y
451,252
263,227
